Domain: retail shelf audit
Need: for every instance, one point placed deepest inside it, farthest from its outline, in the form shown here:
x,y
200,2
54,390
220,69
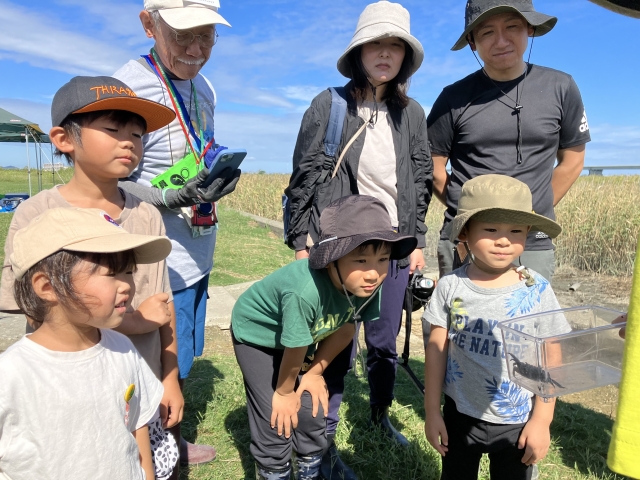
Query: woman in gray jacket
x,y
383,152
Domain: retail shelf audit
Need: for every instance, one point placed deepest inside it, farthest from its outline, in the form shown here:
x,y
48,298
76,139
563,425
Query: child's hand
x,y
172,403
621,319
535,439
155,310
436,432
284,412
317,388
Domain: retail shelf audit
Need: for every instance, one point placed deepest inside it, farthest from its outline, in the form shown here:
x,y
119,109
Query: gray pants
x,y
541,261
260,367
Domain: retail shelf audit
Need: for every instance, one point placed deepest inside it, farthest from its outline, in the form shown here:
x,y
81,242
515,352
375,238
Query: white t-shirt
x,y
62,414
377,166
190,258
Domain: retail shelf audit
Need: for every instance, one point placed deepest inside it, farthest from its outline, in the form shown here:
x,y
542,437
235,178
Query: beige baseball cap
x,y
186,14
80,230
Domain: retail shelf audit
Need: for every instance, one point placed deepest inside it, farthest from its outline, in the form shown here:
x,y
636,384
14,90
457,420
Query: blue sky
x,y
281,53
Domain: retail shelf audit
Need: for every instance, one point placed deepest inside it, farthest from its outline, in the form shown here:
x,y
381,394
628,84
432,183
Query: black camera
x,y
421,289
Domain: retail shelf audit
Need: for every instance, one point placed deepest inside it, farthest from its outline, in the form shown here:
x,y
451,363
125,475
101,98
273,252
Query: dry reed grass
x,y
600,218
601,224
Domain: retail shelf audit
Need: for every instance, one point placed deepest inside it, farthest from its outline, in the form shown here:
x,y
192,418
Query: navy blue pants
x,y
382,357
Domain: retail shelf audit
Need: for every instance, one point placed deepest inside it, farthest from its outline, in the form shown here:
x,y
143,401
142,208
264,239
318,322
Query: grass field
x,y
216,411
245,251
217,415
599,216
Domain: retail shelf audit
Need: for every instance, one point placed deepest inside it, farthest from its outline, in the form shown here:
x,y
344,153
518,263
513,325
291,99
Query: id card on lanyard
x,y
202,227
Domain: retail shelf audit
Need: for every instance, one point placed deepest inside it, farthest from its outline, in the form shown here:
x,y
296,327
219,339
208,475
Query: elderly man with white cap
x,y
185,33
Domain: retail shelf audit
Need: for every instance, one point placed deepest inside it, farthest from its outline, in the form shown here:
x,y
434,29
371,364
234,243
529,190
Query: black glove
x,y
193,193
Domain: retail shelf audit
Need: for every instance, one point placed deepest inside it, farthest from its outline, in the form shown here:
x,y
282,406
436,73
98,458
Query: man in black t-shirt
x,y
511,118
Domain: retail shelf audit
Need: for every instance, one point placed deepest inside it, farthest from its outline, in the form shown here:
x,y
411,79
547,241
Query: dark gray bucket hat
x,y
479,10
630,8
349,222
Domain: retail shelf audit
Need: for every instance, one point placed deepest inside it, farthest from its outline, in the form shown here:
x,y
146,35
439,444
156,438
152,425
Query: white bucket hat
x,y
186,14
381,20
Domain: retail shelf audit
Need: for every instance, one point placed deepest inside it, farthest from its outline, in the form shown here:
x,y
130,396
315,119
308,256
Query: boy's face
x,y
105,294
361,270
497,245
108,151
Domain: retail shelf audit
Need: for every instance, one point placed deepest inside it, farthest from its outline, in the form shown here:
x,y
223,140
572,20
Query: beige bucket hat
x,y
80,230
501,199
381,20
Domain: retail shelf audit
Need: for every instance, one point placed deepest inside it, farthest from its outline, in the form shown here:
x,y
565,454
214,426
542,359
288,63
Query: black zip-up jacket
x,y
310,190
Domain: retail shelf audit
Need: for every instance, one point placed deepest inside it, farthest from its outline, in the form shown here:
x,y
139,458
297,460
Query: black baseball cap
x,y
92,94
351,221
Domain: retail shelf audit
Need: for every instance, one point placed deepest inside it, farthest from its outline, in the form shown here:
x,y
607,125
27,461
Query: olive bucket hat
x,y
381,20
479,10
351,221
500,199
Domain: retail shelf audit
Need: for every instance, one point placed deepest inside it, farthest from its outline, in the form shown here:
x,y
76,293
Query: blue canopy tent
x,y
16,129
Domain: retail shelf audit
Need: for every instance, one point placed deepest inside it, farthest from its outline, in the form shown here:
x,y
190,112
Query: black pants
x,y
382,358
469,438
260,368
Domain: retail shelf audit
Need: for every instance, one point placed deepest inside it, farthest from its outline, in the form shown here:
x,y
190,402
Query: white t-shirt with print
x,y
63,415
476,377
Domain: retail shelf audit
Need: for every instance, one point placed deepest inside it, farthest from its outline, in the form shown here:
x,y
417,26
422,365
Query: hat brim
x,y
369,34
630,8
543,23
505,215
147,249
323,254
155,115
191,17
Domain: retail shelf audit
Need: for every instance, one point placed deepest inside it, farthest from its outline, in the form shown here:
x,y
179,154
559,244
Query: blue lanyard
x,y
173,91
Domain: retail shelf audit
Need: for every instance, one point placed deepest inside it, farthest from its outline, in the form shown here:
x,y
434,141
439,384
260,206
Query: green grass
x,y
17,181
216,415
245,251
216,412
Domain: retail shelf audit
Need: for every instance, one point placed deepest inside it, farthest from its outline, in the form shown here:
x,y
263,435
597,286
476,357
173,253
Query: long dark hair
x,y
395,93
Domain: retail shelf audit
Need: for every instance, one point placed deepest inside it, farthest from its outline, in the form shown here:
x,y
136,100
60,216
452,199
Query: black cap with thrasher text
x,y
91,94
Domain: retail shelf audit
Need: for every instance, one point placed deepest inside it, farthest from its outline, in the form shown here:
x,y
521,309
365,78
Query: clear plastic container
x,y
563,351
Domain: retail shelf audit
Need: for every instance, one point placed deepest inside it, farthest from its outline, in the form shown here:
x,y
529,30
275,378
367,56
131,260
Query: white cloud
x,y
304,93
27,36
36,112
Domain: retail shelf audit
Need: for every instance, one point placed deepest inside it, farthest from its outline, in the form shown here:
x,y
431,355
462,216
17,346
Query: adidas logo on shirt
x,y
584,124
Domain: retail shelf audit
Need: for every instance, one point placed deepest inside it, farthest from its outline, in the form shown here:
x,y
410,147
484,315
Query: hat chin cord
x,y
356,313
521,270
519,92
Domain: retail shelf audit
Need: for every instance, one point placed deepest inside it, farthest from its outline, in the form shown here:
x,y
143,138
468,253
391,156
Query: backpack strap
x,y
338,112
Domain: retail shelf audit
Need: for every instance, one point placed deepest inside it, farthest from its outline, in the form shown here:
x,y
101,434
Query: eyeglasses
x,y
186,38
